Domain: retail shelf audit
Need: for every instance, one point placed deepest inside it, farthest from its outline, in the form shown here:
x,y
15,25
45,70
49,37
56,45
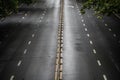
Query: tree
x,y
11,6
102,7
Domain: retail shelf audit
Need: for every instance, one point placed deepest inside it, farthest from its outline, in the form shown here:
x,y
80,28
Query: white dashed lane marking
x,y
82,20
44,11
40,20
19,63
91,42
81,17
104,76
25,14
88,35
106,24
99,63
29,42
83,24
114,35
117,67
19,21
23,17
33,35
94,51
43,14
86,29
41,17
12,77
109,29
25,51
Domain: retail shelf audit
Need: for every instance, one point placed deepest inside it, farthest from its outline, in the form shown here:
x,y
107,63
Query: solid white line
x,y
79,14
86,29
104,76
99,63
88,35
12,77
19,63
94,51
29,42
91,42
25,51
83,24
33,35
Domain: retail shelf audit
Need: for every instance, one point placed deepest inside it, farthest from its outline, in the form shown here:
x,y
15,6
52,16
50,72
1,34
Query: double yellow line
x,y
59,57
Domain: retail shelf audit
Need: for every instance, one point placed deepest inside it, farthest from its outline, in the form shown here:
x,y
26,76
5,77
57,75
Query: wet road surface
x,y
28,43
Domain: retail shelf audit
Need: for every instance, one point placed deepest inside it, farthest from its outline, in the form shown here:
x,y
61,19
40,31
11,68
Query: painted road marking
x,y
82,20
19,21
117,67
40,20
61,76
104,76
83,24
25,51
91,42
114,35
109,29
99,63
19,63
41,17
80,14
94,51
25,14
106,24
12,77
23,17
44,11
81,17
33,35
43,14
86,29
88,35
29,42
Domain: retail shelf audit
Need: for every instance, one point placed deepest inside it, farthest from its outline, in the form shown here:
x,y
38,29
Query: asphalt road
x,y
28,43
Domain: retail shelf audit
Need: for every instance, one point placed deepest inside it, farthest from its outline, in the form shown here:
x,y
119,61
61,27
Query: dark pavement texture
x,y
28,43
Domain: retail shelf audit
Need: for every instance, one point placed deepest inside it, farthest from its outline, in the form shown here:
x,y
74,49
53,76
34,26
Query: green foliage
x,y
102,7
11,6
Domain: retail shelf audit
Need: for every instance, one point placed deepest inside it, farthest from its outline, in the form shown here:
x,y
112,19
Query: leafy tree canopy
x,y
102,7
8,6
